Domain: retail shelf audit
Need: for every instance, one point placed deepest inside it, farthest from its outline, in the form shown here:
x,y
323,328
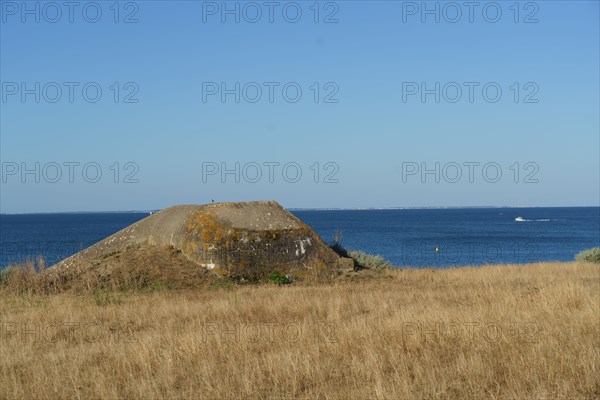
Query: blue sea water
x,y
408,237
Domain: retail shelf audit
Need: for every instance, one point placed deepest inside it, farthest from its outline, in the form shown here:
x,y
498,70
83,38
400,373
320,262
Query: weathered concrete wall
x,y
240,240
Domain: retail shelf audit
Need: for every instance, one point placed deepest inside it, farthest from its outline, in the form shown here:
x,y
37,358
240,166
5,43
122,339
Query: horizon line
x,y
303,209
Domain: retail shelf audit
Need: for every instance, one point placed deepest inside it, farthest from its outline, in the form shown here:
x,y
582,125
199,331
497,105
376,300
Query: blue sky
x,y
365,133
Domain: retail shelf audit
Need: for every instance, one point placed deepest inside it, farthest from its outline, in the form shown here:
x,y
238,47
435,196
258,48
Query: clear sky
x,y
362,67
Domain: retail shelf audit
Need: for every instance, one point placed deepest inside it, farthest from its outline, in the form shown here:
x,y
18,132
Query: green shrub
x,y
369,261
591,255
158,286
278,278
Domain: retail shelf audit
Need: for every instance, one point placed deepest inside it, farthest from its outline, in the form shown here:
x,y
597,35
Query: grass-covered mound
x,y
133,268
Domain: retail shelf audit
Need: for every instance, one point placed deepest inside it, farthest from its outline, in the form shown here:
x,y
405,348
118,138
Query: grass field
x,y
500,332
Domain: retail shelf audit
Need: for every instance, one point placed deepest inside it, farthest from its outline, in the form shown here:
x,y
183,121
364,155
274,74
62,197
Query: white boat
x,y
520,219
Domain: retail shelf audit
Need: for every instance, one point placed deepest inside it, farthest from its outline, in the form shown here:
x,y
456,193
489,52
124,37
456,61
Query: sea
x,y
419,238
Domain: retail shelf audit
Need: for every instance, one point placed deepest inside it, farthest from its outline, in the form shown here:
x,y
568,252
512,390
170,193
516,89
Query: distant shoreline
x,y
318,209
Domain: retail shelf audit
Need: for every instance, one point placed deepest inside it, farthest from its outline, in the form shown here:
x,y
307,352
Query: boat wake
x,y
521,219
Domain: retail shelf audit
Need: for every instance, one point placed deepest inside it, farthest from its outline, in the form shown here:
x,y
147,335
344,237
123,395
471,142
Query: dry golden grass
x,y
518,332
